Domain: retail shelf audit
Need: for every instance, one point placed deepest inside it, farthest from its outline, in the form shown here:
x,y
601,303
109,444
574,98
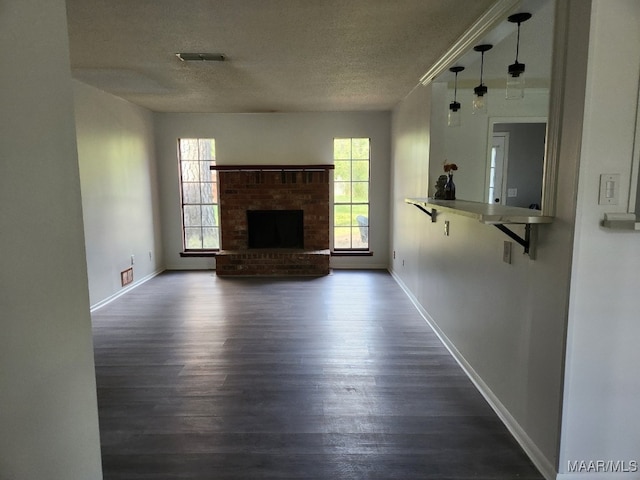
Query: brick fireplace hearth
x,y
245,188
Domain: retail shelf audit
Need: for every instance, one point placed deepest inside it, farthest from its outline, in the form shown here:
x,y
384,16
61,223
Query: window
x,y
199,189
351,193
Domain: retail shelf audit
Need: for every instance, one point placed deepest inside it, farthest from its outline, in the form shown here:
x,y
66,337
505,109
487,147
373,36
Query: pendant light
x,y
480,92
515,79
454,107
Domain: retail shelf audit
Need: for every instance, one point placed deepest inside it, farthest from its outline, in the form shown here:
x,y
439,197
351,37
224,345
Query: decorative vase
x,y
450,189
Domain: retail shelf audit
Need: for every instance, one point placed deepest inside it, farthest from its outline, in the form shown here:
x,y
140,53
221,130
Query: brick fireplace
x,y
245,190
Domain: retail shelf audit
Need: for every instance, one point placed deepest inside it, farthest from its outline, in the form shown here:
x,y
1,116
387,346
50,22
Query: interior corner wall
x,y
276,139
48,405
119,191
601,419
411,141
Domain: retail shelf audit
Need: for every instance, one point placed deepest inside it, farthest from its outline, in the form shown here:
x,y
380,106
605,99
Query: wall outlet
x,y
512,192
133,259
446,228
506,252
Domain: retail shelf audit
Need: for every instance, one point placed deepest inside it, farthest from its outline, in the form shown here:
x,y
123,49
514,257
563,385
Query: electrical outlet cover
x,y
506,252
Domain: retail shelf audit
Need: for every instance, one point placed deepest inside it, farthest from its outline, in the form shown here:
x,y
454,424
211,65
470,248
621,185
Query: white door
x,y
498,168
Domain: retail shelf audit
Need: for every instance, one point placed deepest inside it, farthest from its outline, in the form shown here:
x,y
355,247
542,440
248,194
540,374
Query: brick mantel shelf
x,y
272,168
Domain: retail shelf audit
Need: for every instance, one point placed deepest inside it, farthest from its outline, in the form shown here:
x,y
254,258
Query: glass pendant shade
x,y
453,120
480,99
515,86
480,92
515,77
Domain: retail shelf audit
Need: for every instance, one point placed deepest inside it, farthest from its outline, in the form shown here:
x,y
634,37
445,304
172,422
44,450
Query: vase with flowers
x,y
450,187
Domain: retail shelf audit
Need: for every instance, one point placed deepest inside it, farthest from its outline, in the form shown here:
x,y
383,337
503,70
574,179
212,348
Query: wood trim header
x,y
272,168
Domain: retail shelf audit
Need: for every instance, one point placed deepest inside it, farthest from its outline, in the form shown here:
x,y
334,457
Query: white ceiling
x,y
283,55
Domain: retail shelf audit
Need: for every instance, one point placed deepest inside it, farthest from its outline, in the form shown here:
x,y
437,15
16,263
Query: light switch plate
x,y
609,189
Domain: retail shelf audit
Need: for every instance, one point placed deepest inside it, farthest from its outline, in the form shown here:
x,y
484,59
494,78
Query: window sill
x,y
199,253
351,253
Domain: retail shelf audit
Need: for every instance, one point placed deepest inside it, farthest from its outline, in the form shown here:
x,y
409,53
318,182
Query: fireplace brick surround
x,y
273,187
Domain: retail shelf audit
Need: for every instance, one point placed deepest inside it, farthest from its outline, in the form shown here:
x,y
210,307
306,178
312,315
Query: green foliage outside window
x,y
351,193
198,184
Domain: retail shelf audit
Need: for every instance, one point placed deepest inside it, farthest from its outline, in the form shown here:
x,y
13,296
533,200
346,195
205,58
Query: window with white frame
x,y
199,193
351,158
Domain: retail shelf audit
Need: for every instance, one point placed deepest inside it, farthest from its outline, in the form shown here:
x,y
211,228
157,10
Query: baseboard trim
x,y
339,265
128,288
188,268
531,449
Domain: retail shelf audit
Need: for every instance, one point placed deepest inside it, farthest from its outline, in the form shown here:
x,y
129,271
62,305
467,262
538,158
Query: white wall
x,y
601,419
273,138
48,407
411,141
119,190
504,322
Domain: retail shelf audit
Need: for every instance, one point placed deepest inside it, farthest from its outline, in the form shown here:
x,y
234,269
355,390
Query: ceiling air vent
x,y
201,57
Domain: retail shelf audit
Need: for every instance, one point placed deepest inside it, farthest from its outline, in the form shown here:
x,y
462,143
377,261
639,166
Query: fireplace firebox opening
x,y
275,228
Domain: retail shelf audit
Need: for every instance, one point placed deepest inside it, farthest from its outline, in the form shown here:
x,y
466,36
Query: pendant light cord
x,y
518,43
455,88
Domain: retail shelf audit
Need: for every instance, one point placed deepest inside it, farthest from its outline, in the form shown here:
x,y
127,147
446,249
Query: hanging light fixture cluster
x,y
515,79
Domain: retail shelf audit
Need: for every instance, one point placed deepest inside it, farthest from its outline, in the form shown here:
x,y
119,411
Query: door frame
x,y
492,122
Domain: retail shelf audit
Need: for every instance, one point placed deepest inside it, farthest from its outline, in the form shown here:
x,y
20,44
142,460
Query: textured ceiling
x,y
283,55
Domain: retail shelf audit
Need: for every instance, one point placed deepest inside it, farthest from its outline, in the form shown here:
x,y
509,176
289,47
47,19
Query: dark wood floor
x,y
305,378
